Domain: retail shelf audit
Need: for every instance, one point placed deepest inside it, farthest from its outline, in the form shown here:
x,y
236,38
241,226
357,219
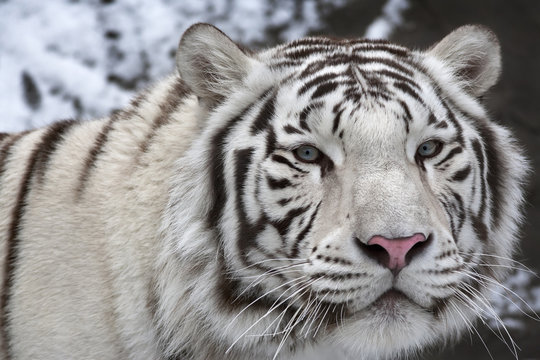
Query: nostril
x,y
418,248
375,252
395,253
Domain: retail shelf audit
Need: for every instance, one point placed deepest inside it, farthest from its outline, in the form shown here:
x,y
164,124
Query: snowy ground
x,y
83,59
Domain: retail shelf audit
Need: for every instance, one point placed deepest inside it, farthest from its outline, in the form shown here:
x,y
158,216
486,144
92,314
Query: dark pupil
x,y
307,152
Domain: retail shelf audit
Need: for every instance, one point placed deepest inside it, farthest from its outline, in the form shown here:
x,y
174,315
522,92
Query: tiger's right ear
x,y
210,63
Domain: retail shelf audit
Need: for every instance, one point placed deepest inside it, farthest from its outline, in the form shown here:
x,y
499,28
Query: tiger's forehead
x,y
339,83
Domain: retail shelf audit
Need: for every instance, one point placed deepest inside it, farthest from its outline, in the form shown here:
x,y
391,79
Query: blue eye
x,y
307,153
429,148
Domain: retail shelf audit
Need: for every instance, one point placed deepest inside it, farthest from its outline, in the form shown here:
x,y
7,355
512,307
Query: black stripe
x,y
495,170
52,135
311,69
337,119
388,62
441,125
316,81
276,184
282,226
461,174
283,160
305,113
480,229
459,130
408,90
305,52
3,136
311,41
432,119
324,89
93,155
283,202
263,118
481,161
408,117
460,211
175,97
450,155
270,141
246,233
397,77
216,158
289,129
56,133
394,50
303,233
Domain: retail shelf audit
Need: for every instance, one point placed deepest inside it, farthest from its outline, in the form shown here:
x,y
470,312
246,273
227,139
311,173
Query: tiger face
x,y
357,189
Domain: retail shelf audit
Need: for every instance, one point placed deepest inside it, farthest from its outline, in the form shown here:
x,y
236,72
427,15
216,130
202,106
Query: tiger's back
x,y
66,237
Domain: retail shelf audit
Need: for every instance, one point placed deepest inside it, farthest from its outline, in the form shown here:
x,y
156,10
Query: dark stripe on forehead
x,y
407,117
48,148
52,135
337,119
432,119
91,158
408,90
318,80
324,89
3,136
385,61
311,41
441,125
397,77
289,129
263,118
394,50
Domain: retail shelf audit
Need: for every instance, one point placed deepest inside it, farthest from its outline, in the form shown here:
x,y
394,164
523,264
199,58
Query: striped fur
x,y
187,226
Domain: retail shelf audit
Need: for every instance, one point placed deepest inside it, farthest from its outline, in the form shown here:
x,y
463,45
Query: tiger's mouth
x,y
390,300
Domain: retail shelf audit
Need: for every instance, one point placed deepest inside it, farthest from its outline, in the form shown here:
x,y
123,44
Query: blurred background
x,y
83,59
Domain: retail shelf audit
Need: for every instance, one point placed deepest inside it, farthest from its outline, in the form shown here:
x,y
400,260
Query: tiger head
x,y
350,190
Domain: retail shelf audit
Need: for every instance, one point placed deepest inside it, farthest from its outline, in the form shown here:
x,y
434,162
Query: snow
x,y
87,58
391,17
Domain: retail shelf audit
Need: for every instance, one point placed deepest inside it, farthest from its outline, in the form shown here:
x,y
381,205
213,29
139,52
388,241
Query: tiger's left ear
x,y
474,54
210,63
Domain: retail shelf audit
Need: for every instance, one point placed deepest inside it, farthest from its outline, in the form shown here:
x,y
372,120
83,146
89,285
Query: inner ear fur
x,y
210,63
474,55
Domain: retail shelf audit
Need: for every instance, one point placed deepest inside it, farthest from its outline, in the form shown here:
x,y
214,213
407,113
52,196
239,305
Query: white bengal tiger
x,y
323,191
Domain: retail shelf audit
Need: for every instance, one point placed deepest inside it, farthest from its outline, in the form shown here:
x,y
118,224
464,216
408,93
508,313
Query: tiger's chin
x,y
391,326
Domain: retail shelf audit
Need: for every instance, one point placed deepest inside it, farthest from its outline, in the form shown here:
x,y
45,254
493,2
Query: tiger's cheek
x,y
456,199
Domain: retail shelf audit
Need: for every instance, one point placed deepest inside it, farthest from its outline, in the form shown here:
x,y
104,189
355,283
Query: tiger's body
x,y
231,213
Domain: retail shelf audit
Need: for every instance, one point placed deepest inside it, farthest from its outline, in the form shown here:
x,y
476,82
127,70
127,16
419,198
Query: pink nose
x,y
396,249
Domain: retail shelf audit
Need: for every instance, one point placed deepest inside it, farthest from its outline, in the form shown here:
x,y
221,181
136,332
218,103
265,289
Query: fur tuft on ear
x,y
474,54
210,63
